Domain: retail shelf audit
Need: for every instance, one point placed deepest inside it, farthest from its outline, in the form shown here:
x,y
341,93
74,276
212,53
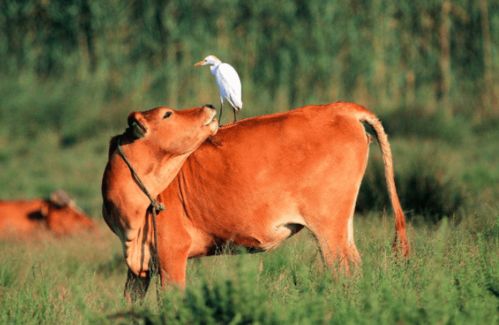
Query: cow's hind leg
x,y
334,233
136,287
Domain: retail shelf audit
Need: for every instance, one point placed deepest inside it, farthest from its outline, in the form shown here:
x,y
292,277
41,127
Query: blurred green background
x,y
71,71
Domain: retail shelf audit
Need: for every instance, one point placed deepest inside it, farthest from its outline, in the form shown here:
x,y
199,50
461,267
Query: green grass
x,y
451,277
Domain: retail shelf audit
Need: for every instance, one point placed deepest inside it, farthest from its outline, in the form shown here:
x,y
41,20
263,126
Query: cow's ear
x,y
137,125
60,198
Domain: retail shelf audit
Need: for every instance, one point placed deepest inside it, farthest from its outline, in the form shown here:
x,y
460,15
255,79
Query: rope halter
x,y
155,206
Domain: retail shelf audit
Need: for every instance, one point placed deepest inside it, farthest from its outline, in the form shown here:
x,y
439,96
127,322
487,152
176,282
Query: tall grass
x,y
433,55
452,277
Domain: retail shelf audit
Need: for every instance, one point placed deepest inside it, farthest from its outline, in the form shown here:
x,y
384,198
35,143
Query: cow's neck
x,y
155,169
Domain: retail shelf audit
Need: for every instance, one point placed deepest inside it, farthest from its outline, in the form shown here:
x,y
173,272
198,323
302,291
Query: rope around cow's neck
x,y
155,207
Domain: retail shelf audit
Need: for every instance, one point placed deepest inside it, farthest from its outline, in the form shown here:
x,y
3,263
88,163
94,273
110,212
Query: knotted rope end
x,y
157,207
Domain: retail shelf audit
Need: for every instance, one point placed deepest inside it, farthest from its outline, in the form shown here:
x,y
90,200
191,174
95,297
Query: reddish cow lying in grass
x,y
254,183
58,214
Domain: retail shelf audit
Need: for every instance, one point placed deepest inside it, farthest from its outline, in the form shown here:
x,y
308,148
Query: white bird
x,y
229,84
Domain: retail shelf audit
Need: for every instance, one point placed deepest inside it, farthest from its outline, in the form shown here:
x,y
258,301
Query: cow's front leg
x,y
173,265
174,243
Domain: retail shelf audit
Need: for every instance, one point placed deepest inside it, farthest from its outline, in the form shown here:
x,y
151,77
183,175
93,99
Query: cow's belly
x,y
258,234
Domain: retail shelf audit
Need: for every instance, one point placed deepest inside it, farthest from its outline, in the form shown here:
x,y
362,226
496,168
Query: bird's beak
x,y
198,64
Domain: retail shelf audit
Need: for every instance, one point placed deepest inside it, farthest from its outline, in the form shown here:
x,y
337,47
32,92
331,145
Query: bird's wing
x,y
230,85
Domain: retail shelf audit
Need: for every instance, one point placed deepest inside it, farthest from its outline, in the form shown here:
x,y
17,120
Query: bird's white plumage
x,y
229,85
228,82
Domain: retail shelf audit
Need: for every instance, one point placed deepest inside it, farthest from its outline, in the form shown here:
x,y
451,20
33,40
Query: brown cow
x,y
254,184
58,214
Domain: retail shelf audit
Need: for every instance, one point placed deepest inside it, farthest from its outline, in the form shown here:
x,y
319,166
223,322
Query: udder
x,y
266,237
280,233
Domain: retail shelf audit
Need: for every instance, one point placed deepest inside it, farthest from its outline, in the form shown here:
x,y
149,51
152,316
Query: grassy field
x,y
451,277
71,71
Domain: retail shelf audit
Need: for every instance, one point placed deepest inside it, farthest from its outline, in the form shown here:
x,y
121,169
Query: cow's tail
x,y
400,232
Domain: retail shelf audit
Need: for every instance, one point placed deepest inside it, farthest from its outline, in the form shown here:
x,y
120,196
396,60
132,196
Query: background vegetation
x,y
71,71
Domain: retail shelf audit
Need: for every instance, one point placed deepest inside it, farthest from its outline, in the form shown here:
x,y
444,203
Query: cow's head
x,y
173,132
63,216
156,143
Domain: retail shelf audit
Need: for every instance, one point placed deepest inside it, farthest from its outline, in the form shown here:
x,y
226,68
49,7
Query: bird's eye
x,y
167,115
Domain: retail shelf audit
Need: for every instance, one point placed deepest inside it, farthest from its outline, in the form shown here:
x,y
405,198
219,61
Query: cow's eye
x,y
167,114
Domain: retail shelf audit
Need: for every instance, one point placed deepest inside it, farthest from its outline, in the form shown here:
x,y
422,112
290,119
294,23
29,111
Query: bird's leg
x,y
220,115
235,117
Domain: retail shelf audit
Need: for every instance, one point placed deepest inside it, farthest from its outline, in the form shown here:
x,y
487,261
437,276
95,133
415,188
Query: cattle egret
x,y
229,84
